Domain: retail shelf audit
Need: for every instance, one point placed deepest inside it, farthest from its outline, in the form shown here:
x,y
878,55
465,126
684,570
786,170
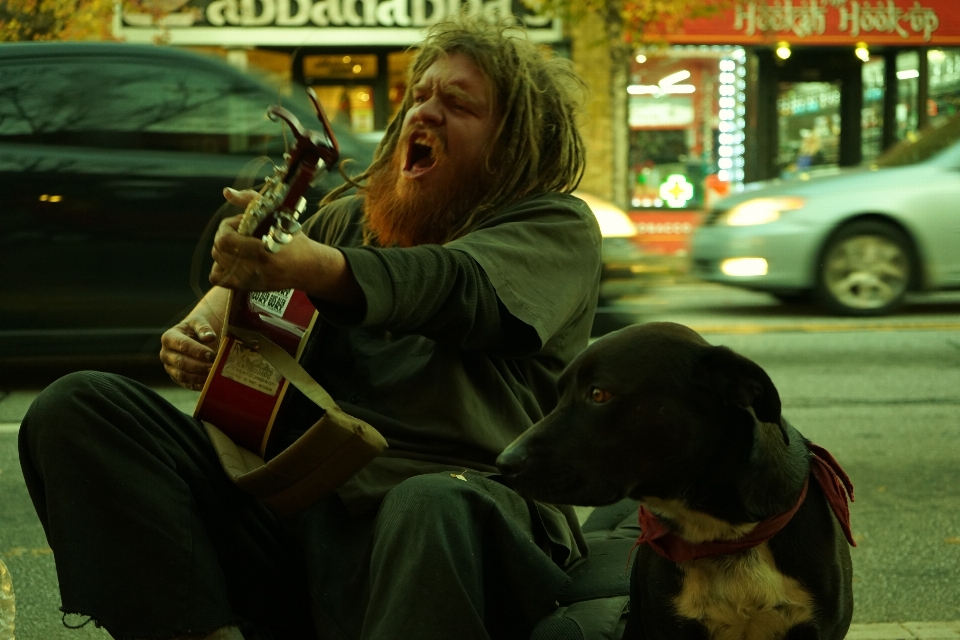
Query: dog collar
x,y
836,486
825,470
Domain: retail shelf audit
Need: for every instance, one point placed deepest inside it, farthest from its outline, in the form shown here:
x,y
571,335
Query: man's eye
x,y
599,395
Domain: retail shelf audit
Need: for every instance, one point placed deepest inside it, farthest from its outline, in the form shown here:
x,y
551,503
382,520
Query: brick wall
x,y
591,59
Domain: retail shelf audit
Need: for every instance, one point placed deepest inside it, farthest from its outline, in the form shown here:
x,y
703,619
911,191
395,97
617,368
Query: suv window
x,y
105,103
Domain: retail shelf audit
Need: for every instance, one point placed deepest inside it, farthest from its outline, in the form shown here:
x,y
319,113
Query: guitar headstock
x,y
274,216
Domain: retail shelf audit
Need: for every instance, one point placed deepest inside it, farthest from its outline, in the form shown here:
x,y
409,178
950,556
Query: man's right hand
x,y
187,351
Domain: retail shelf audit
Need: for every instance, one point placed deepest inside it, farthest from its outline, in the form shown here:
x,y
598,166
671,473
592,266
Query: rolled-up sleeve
x,y
544,261
535,264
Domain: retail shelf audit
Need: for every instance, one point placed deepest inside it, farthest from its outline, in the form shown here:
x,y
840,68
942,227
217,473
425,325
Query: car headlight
x,y
760,211
615,224
613,221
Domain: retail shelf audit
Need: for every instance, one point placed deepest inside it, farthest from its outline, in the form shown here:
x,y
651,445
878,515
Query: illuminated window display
x,y
686,116
809,126
944,70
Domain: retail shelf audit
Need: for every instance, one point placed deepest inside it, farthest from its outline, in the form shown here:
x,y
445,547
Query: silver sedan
x,y
856,240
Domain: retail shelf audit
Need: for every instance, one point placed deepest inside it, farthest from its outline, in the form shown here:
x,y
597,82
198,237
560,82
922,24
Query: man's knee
x,y
434,500
428,524
53,417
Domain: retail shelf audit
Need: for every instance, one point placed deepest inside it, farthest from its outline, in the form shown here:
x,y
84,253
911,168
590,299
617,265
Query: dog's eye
x,y
599,395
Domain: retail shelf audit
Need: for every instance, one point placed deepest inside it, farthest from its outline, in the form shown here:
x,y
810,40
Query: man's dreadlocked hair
x,y
537,147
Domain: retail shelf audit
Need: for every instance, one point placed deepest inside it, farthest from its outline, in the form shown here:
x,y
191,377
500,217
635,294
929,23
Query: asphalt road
x,y
883,395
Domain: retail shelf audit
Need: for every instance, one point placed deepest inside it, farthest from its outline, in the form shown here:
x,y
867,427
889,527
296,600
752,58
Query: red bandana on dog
x,y
825,470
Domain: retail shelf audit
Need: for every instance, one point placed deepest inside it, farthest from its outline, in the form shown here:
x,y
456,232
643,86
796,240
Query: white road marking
x,y
9,427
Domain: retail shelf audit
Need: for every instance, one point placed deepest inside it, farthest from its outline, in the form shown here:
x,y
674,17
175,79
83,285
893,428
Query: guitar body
x,y
244,393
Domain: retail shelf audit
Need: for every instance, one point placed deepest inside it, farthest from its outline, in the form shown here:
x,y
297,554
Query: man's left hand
x,y
243,262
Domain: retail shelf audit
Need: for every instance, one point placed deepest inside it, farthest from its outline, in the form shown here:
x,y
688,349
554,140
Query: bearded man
x,y
451,291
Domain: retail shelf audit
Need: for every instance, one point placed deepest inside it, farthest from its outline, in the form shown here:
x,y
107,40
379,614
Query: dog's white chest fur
x,y
742,597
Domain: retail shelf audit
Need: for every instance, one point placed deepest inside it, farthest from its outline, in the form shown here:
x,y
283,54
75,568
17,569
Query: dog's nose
x,y
511,461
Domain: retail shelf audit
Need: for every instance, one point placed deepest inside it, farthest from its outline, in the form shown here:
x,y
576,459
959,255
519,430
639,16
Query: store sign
x,y
648,112
312,22
889,22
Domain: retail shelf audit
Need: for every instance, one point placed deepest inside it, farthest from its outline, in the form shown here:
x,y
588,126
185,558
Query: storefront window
x,y
343,83
362,91
678,140
944,102
809,126
908,85
351,106
871,140
339,67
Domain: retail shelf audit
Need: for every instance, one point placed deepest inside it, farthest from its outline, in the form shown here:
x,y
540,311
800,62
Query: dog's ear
x,y
740,382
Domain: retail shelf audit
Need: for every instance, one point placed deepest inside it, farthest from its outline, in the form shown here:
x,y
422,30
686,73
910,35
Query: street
x,y
882,395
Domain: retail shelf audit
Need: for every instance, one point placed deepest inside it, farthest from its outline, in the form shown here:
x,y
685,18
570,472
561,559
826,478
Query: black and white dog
x,y
745,522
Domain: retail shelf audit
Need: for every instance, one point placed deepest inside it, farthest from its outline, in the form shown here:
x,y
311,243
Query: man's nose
x,y
430,112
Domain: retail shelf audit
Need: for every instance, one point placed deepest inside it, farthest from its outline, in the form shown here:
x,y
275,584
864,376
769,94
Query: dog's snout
x,y
512,461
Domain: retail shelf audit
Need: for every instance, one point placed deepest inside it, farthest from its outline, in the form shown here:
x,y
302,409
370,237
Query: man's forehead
x,y
457,71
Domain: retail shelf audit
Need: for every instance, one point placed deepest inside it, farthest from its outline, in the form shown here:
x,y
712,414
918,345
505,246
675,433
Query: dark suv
x,y
112,161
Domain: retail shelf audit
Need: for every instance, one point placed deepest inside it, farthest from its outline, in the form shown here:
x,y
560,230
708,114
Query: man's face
x,y
437,171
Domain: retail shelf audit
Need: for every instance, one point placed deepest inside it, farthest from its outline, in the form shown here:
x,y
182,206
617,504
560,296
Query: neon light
x,y
676,191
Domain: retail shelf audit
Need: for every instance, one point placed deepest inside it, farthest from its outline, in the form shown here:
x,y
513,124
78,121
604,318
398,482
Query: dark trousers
x,y
152,540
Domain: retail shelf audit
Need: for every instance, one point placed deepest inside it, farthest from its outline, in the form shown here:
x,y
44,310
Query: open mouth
x,y
420,156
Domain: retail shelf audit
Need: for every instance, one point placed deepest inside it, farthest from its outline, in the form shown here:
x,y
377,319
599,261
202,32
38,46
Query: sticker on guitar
x,y
251,369
273,302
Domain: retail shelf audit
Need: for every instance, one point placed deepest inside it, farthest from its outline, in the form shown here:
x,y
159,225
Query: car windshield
x,y
923,145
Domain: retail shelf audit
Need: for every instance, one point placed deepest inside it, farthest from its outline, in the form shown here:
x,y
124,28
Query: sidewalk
x,y
904,631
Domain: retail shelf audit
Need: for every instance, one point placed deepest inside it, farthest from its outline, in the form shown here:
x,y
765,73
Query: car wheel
x,y
865,269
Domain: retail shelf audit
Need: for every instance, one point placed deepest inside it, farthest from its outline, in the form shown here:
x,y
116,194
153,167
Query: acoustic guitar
x,y
263,336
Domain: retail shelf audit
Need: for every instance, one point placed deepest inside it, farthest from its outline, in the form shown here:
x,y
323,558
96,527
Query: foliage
x,y
55,20
646,19
632,22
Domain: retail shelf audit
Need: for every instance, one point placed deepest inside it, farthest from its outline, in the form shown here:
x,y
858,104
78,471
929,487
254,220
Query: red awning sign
x,y
831,22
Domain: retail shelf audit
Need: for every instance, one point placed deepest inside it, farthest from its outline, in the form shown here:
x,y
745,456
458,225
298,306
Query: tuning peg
x,y
288,224
287,221
271,244
279,236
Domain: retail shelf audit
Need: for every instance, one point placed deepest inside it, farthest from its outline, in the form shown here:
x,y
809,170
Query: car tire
x,y
865,269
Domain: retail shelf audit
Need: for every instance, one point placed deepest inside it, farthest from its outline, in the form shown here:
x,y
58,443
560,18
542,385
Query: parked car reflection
x,y
112,162
854,240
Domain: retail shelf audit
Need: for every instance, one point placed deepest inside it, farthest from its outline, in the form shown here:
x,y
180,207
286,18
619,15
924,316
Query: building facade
x,y
766,89
779,89
354,53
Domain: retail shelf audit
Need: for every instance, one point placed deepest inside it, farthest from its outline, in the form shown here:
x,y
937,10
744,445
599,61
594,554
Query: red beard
x,y
405,213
